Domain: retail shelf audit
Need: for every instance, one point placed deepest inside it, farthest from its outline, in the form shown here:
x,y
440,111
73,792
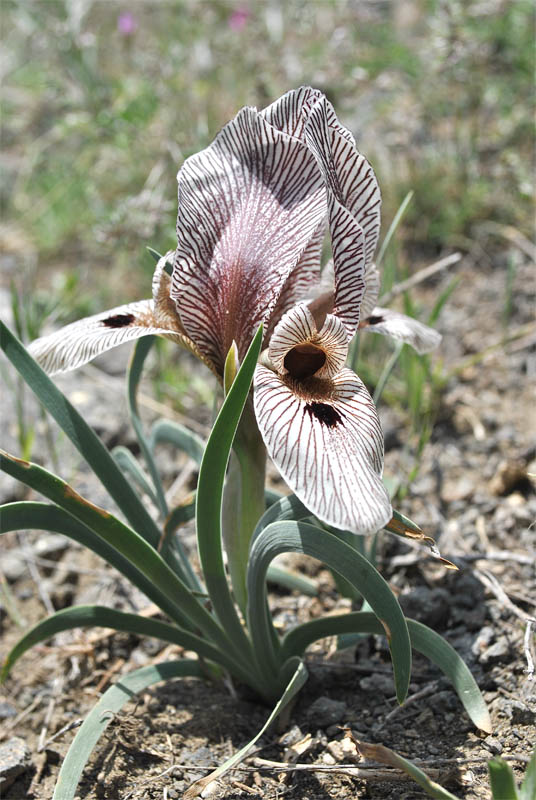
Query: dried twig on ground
x,y
419,277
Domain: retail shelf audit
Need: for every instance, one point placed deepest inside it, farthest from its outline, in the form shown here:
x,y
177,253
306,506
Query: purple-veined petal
x,y
353,208
80,342
347,244
297,328
372,291
248,206
289,112
302,280
398,326
328,446
347,172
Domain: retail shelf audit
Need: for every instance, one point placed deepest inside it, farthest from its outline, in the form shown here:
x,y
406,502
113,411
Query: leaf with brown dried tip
x,y
403,526
384,755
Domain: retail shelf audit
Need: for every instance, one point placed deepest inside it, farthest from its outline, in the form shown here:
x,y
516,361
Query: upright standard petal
x,y
248,206
325,439
302,280
406,329
289,113
353,207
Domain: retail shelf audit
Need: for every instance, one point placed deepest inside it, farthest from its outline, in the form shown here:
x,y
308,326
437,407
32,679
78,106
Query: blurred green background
x,y
103,100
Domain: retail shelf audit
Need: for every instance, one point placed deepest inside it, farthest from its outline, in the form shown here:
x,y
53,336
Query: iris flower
x,y
254,208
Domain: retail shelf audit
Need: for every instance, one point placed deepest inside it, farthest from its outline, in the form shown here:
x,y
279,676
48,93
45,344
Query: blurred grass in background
x,y
103,100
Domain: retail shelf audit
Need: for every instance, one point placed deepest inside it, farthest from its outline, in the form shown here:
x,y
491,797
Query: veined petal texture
x,y
328,445
406,329
353,207
303,279
297,328
78,343
248,207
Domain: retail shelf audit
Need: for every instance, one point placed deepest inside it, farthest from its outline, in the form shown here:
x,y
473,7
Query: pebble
x,y
493,745
47,545
15,758
324,711
429,606
7,710
378,684
496,652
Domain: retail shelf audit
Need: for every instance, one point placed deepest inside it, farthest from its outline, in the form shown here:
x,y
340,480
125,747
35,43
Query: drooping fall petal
x,y
248,207
406,329
78,343
328,445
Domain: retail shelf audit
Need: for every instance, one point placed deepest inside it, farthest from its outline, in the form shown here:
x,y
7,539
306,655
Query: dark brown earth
x,y
473,493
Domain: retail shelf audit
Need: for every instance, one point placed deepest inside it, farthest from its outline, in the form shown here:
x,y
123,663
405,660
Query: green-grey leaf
x,y
125,540
289,579
423,639
42,516
82,436
528,787
301,537
209,498
501,778
141,350
129,465
299,677
102,714
173,433
101,616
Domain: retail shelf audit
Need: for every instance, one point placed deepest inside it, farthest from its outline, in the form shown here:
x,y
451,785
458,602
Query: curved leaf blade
x,y
81,435
126,541
102,713
141,350
528,787
423,639
86,616
301,537
42,516
501,778
170,432
128,464
210,494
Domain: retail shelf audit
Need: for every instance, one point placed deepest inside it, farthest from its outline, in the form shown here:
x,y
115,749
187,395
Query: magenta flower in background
x,y
127,24
238,18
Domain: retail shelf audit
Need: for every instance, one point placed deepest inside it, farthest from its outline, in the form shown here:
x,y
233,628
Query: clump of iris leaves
x,y
201,613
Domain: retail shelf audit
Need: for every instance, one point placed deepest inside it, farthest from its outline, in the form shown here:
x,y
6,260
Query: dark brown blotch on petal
x,y
374,320
304,360
119,320
324,413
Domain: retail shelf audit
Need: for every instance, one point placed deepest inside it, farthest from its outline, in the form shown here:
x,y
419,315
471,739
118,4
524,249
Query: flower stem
x,y
243,500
